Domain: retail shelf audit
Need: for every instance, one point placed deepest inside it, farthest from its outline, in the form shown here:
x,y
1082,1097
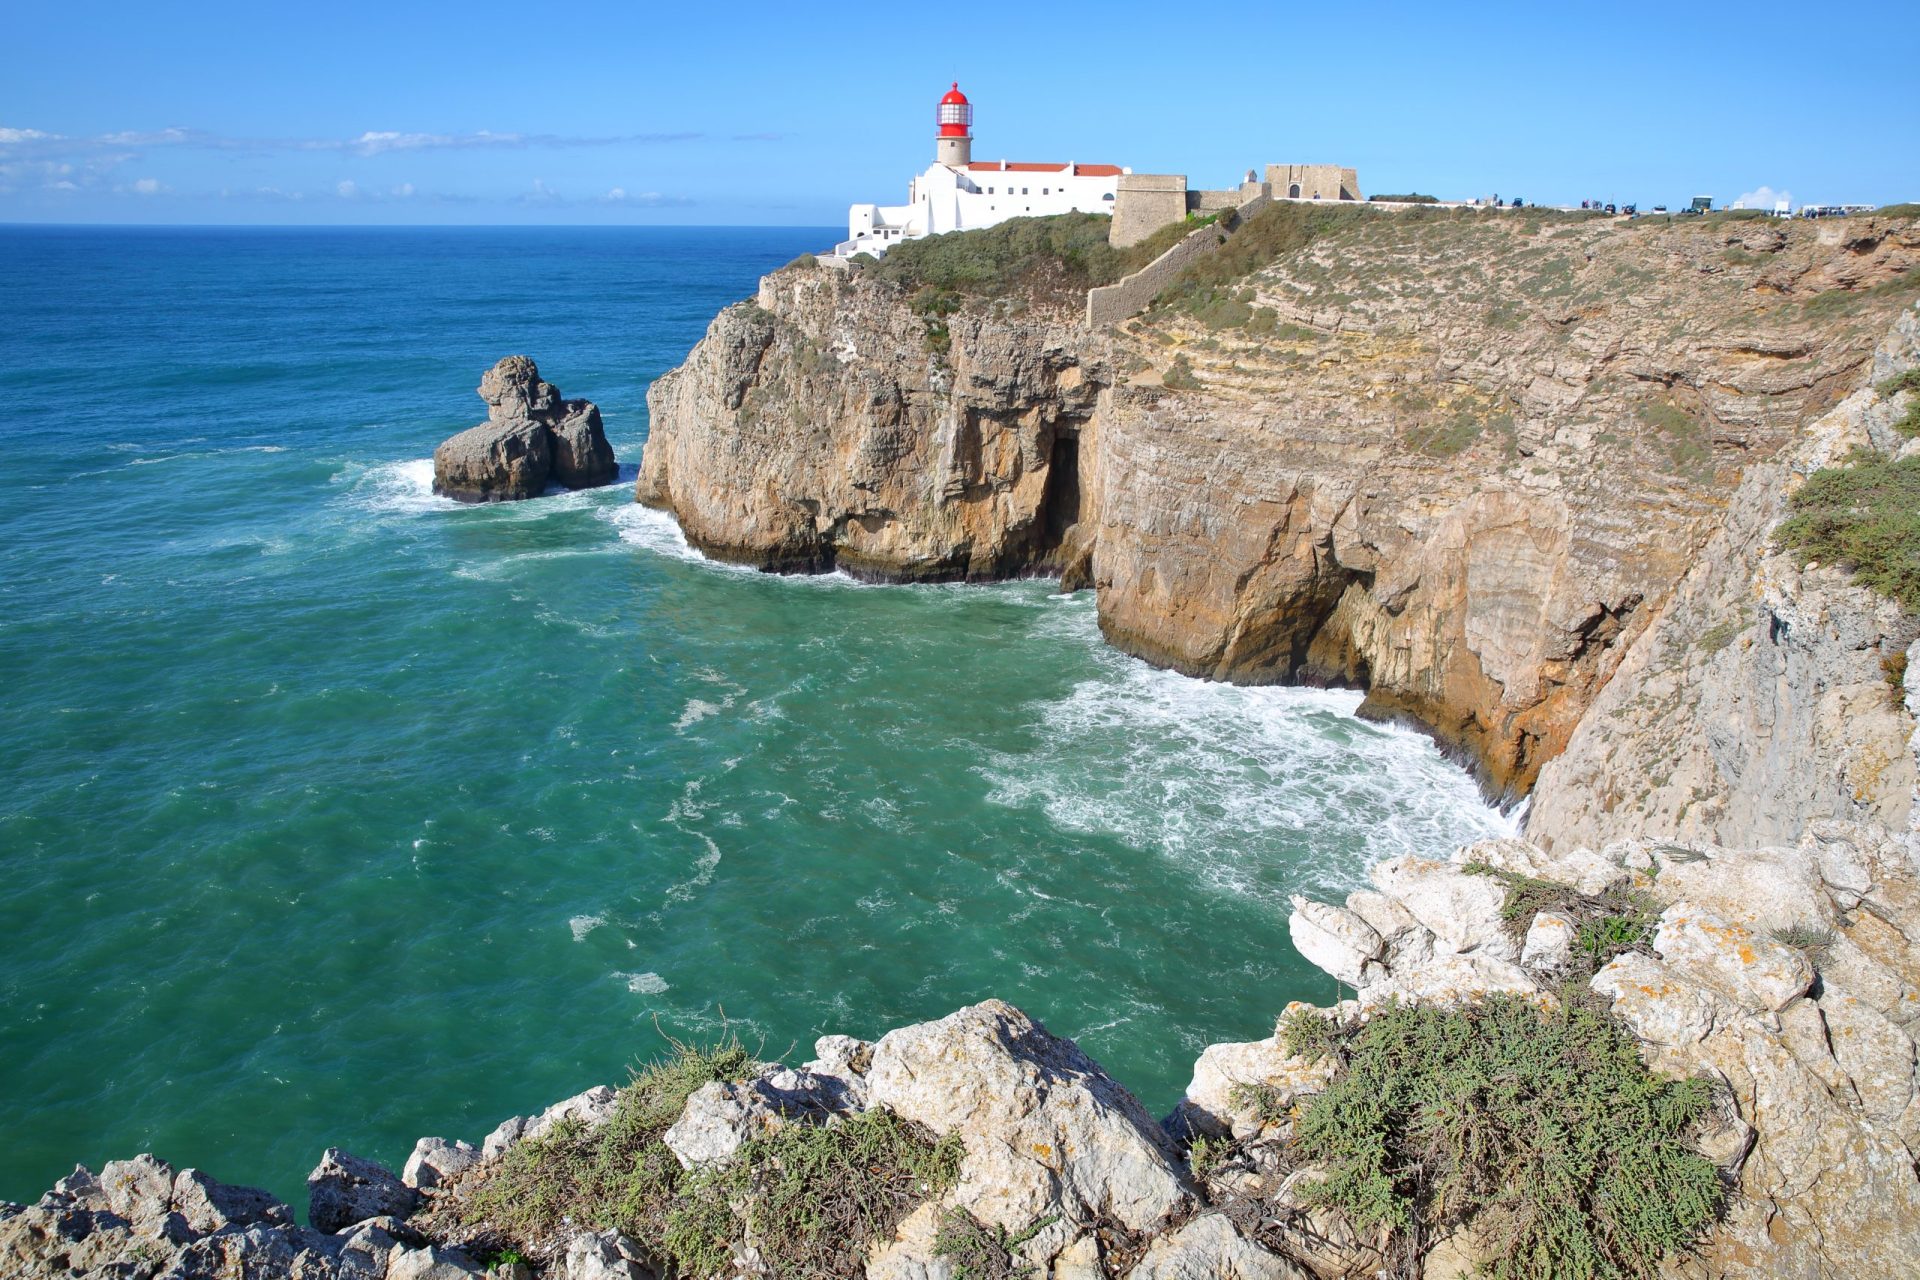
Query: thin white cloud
x,y
371,142
147,187
1763,197
347,189
640,199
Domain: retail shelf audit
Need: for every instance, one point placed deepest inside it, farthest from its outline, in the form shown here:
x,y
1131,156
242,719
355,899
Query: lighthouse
x,y
959,193
953,146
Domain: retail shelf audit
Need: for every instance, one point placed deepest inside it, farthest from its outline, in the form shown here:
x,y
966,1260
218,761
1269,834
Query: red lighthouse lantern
x,y
953,145
956,114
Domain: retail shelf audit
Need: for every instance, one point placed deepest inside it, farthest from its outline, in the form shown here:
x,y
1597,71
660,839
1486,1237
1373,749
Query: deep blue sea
x,y
334,813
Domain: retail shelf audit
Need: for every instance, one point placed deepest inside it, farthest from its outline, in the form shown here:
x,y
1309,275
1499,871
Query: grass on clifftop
x,y
1866,517
1267,236
1605,924
1541,1130
811,1196
1059,255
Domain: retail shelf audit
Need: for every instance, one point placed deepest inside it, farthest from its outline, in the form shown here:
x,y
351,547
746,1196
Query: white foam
x,y
644,984
584,925
659,532
399,488
697,709
1232,781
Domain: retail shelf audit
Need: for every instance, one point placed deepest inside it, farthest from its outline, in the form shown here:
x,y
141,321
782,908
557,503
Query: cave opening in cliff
x,y
1060,500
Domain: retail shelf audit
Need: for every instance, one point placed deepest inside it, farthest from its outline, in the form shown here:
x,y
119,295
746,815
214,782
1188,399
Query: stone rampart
x,y
1145,202
1110,304
1313,182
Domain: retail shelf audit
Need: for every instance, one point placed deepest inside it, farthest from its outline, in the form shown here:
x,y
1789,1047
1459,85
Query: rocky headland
x,y
1523,479
1459,462
531,438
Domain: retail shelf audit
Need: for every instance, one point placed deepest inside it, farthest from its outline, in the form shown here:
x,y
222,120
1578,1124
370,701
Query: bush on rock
x,y
1540,1129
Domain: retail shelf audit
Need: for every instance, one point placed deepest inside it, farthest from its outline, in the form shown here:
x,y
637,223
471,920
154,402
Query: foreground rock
x,y
344,1189
531,438
139,1218
1787,975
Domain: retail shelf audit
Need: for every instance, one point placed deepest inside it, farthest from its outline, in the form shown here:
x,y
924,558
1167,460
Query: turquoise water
x,y
336,813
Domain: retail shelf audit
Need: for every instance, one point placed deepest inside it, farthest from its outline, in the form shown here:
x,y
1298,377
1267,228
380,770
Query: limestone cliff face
x,y
813,429
1765,697
1462,462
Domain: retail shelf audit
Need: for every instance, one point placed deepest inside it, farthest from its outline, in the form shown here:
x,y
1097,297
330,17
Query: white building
x,y
959,193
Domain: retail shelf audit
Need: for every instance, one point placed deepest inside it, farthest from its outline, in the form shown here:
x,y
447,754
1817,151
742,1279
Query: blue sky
x,y
782,114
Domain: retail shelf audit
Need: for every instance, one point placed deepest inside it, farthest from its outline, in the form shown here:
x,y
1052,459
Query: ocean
x,y
333,813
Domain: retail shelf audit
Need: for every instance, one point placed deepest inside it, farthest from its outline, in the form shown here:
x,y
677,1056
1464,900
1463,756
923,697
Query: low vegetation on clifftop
x,y
1538,1129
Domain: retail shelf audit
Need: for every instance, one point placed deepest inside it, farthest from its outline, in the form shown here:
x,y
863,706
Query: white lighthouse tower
x,y
953,146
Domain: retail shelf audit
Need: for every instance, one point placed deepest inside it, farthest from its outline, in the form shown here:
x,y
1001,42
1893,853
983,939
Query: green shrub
x,y
1179,375
1220,308
1264,238
1909,422
1163,239
974,1251
1541,1128
1865,516
1910,209
1453,435
1813,939
619,1174
812,1196
805,262
1408,199
1605,924
1055,256
1720,635
1687,442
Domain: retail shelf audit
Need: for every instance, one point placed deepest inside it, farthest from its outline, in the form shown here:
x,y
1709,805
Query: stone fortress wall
x,y
1146,202
1313,182
1110,304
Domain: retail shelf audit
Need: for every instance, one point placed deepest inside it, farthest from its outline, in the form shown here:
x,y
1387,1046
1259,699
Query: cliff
x,y
814,429
1765,696
1460,461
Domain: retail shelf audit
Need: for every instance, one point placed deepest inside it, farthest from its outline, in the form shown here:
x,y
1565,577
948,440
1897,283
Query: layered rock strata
x,y
812,430
1766,695
532,438
1468,487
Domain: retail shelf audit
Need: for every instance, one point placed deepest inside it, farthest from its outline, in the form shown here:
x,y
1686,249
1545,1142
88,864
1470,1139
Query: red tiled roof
x,y
1014,166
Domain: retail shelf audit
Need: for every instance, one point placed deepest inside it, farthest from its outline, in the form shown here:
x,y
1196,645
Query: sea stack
x,y
531,437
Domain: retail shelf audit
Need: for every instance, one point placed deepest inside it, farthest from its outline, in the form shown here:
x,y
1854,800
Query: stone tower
x,y
953,146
